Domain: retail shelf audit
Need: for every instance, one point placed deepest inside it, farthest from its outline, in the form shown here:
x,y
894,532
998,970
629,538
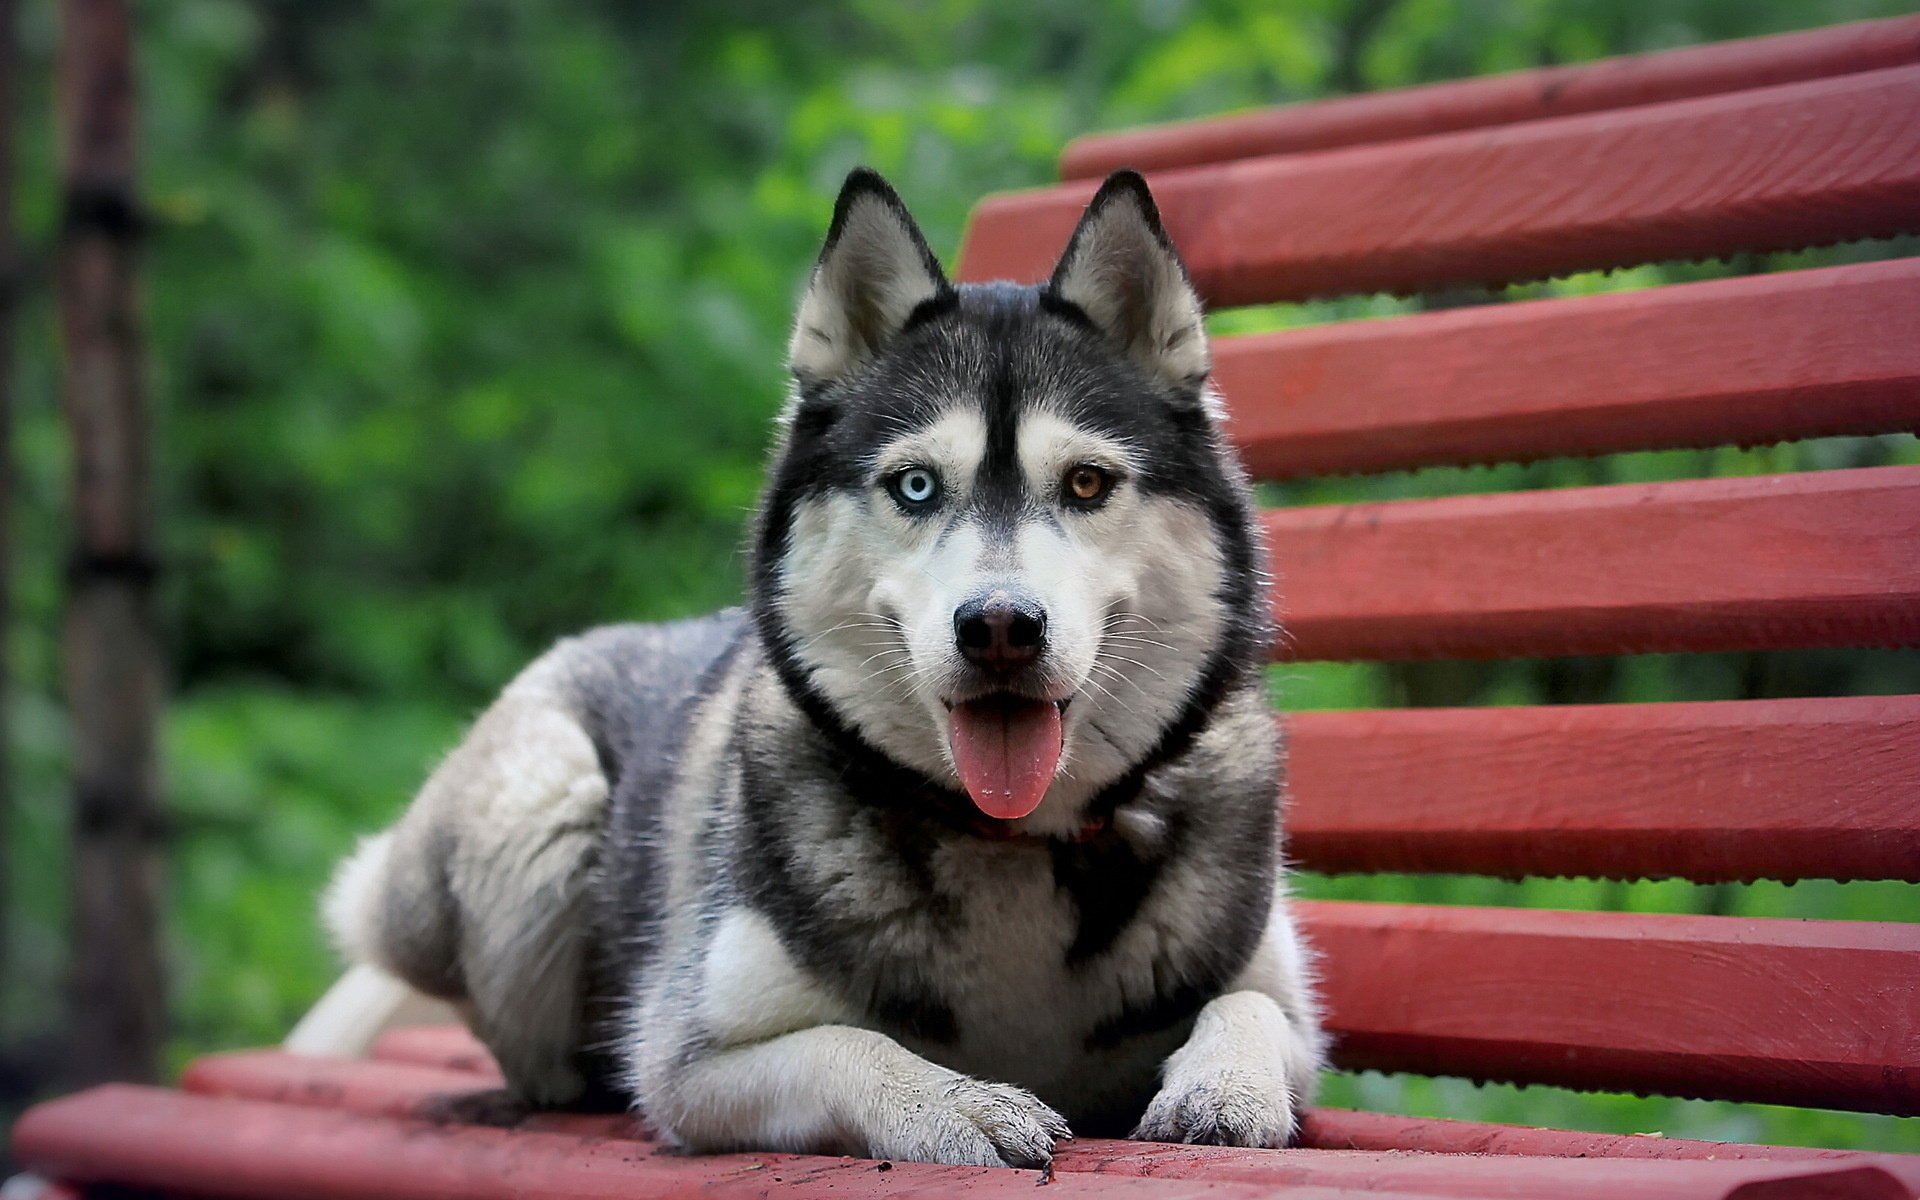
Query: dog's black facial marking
x,y
931,310
999,488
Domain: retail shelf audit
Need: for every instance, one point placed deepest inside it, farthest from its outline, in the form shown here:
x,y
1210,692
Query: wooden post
x,y
113,660
10,272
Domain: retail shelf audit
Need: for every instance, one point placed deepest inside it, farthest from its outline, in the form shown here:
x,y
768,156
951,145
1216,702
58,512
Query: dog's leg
x,y
478,895
757,1055
1254,1057
836,1089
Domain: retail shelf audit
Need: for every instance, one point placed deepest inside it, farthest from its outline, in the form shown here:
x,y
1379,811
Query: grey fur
x,y
721,868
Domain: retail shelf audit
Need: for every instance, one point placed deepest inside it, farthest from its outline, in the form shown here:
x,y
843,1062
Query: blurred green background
x,y
466,321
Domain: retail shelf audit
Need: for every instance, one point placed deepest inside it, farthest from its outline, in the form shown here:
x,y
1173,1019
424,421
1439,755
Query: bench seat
x,y
267,1123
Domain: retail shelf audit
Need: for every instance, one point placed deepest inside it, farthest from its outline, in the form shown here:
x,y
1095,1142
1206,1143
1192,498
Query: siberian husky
x,y
961,835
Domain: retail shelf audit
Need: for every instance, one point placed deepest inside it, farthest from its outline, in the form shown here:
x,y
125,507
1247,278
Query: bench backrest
x,y
1771,144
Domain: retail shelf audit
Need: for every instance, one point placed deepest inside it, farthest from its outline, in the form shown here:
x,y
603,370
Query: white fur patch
x,y
1239,1081
350,909
752,989
952,445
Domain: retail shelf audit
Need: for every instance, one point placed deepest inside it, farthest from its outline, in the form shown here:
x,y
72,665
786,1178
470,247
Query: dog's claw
x,y
969,1122
1230,1108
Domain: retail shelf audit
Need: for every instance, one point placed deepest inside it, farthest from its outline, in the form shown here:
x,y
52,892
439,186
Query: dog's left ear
x,y
1121,269
873,272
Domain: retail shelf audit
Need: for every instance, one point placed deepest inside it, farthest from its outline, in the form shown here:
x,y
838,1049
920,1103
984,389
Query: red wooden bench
x,y
1762,145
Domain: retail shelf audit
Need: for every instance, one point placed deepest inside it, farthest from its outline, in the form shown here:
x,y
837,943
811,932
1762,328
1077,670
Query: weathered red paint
x,y
404,1089
1737,790
1738,361
448,1046
1347,1129
381,1087
371,1087
1501,99
1823,1013
1767,169
145,1136
1597,941
1827,558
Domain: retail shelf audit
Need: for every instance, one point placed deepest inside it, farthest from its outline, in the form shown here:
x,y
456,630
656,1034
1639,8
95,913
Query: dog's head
x,y
1004,543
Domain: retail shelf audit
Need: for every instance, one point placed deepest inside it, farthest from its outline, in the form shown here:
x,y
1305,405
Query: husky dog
x,y
963,833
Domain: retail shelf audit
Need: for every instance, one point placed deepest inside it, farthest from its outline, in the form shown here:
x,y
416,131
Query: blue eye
x,y
915,487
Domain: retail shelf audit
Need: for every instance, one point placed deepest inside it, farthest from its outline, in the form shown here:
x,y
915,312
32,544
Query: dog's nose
x,y
1000,630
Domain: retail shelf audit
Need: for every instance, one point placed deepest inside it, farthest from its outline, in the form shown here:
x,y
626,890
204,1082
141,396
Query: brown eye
x,y
1087,484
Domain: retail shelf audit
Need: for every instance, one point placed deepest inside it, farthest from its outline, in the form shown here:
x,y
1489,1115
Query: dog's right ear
x,y
873,273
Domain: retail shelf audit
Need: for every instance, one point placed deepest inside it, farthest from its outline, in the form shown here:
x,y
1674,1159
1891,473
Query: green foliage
x,y
466,320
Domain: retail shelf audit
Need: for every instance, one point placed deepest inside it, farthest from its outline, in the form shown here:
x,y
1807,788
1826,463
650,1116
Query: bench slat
x,y
1767,169
1501,99
384,1087
202,1146
1735,790
388,1092
1786,1012
446,1046
1828,558
1743,361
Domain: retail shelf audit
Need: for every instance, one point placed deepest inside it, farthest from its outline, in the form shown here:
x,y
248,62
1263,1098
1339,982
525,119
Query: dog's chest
x,y
974,958
1025,1009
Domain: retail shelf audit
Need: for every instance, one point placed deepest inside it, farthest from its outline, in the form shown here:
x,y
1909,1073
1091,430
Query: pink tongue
x,y
1006,751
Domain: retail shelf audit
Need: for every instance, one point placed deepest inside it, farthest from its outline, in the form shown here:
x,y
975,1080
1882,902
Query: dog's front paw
x,y
1236,1082
1226,1107
961,1121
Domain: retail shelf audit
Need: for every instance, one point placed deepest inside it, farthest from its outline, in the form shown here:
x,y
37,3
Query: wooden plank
x,y
1768,169
1760,359
1738,790
1501,99
150,1138
1823,1013
32,1187
380,1088
372,1087
1347,1129
284,1078
448,1046
113,656
1827,558
389,1088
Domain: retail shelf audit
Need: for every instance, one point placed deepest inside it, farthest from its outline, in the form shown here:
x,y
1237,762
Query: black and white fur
x,y
725,866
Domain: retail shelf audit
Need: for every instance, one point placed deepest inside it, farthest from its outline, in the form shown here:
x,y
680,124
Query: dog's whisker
x,y
1136,662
